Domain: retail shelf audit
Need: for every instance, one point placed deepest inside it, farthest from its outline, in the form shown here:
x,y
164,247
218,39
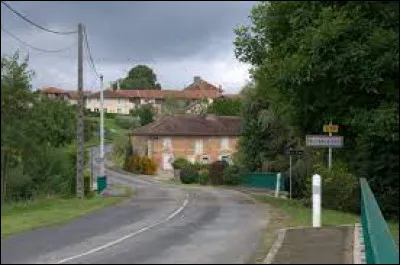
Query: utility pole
x,y
80,161
101,127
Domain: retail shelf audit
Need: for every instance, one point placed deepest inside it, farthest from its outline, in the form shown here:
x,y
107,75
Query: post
x,y
91,168
278,182
316,200
330,151
101,128
80,161
290,175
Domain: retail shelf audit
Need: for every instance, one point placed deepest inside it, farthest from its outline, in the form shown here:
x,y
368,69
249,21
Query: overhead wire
x,y
33,47
90,54
35,24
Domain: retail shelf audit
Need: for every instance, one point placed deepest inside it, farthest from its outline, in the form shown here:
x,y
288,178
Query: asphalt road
x,y
160,224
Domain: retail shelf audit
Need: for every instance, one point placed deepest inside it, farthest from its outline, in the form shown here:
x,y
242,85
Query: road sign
x,y
324,141
331,128
296,152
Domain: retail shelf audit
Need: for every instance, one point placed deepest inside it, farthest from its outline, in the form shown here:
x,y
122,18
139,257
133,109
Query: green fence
x,y
380,247
263,180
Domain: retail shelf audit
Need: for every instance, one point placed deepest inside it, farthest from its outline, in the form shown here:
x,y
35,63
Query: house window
x,y
225,143
96,109
167,143
119,110
198,147
205,159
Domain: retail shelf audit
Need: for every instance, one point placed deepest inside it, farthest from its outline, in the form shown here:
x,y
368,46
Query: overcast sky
x,y
177,39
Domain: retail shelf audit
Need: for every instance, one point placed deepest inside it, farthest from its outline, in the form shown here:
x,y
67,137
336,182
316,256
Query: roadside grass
x,y
299,215
24,216
110,124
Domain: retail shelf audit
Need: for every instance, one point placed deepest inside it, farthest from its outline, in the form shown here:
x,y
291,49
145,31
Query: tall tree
x,y
139,77
321,61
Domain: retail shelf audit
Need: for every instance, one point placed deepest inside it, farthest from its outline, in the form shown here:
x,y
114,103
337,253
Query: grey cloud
x,y
186,34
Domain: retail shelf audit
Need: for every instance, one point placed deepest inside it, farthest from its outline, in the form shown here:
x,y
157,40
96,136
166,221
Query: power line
x,y
90,54
33,47
36,25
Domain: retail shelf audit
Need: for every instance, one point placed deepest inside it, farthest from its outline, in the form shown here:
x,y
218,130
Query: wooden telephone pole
x,y
80,158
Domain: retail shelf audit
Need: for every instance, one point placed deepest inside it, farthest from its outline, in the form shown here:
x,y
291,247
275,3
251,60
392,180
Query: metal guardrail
x,y
380,248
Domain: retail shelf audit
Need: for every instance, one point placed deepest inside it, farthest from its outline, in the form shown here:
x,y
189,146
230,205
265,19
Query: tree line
x,y
316,62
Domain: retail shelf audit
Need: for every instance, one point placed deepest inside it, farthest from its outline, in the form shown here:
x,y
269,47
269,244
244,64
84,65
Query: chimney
x,y
220,89
196,79
118,88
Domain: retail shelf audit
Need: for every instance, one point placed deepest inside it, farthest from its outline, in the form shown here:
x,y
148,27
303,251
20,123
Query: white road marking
x,y
180,209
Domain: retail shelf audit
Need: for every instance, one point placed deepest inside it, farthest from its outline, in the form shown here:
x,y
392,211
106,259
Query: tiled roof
x,y
186,125
73,94
52,90
202,85
157,94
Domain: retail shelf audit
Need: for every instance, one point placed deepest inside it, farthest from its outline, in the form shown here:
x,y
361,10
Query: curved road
x,y
160,224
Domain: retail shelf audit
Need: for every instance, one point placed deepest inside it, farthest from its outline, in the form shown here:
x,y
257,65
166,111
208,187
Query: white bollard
x,y
316,200
278,181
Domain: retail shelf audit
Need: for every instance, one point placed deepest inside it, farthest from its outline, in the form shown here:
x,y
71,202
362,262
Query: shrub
x,y
87,185
216,172
127,122
203,177
149,167
232,175
339,187
189,175
140,165
180,163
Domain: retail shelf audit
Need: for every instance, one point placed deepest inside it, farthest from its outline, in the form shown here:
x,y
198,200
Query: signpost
x,y
326,141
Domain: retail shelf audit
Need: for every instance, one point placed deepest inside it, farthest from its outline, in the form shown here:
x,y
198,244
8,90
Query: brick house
x,y
203,139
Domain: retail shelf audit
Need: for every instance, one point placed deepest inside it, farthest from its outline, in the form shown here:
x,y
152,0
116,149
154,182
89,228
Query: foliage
x,y
127,122
140,165
233,175
216,172
34,133
203,177
189,175
145,115
173,106
225,107
139,77
121,145
180,163
319,61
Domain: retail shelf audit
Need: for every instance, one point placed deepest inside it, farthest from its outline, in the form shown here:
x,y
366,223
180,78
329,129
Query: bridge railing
x,y
380,248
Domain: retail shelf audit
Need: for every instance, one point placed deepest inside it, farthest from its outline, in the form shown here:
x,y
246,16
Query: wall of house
x,y
112,105
212,147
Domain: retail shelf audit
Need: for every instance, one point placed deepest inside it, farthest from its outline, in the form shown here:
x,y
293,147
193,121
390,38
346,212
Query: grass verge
x,y
298,215
20,217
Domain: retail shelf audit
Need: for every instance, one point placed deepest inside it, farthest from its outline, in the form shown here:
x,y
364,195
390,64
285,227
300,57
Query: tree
x,y
319,61
173,105
225,107
139,77
32,131
145,115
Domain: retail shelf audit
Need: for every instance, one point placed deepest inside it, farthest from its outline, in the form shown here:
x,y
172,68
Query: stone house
x,y
202,139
